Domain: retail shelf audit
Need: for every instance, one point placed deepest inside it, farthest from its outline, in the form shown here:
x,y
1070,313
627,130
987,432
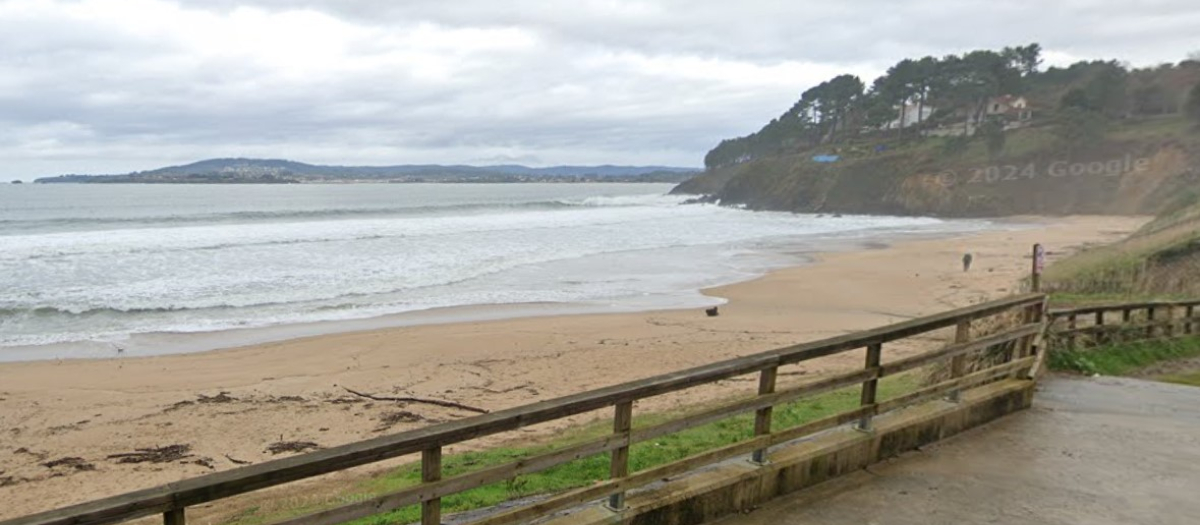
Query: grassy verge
x,y
1078,299
585,471
1190,379
1160,260
1122,359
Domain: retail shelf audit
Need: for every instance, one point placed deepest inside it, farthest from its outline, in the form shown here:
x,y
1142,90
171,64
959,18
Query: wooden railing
x,y
1011,325
1073,328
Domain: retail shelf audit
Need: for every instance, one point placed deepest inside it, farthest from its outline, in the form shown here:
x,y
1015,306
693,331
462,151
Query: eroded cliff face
x,y
1124,178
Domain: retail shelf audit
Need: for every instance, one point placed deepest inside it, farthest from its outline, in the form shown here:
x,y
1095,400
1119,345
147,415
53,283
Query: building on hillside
x,y
1012,108
1015,110
910,115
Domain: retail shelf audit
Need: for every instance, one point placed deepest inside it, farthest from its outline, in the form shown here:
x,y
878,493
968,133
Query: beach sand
x,y
295,390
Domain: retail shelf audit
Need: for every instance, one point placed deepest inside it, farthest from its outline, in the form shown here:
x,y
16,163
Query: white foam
x,y
140,278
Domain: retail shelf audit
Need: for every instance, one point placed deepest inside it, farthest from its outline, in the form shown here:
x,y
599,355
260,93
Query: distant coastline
x,y
276,171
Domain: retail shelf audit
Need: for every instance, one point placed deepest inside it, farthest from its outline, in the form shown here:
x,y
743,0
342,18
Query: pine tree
x,y
1192,107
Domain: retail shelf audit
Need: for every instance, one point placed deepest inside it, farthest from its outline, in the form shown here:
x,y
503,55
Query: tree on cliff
x,y
966,83
1080,128
892,90
1192,107
831,104
1025,59
1108,90
959,88
992,130
1076,99
904,85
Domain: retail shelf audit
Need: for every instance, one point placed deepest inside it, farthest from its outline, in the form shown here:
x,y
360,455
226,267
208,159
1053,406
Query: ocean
x,y
87,269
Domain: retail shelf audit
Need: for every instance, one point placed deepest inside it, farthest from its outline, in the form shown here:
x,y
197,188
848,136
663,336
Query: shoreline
x,y
294,389
785,255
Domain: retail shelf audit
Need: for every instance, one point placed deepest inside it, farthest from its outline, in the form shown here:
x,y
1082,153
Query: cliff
x,y
1133,168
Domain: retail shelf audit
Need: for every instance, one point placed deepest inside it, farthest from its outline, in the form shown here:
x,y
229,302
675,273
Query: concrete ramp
x,y
1090,451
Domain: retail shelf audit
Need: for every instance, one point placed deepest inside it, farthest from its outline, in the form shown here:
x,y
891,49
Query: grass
x,y
1122,359
585,471
1174,127
1084,298
1160,261
1190,378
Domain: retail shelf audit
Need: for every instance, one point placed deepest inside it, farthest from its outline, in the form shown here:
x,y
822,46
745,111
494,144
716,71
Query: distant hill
x,y
279,171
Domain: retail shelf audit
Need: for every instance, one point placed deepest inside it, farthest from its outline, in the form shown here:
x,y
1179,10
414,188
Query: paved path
x,y
1090,451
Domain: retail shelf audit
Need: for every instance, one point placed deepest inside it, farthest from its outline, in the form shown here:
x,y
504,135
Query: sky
x,y
113,86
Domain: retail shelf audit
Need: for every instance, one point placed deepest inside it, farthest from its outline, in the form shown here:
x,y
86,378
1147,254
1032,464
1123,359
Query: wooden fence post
x,y
1101,336
1027,346
1189,313
1126,317
1150,322
1033,314
762,418
1035,270
431,470
958,363
1169,317
871,386
174,517
1071,332
619,467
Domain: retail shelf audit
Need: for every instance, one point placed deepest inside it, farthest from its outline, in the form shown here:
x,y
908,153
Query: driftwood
x,y
292,446
165,454
391,419
436,402
72,462
236,461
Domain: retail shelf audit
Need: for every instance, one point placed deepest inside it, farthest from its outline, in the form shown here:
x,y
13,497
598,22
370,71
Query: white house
x,y
911,115
1015,109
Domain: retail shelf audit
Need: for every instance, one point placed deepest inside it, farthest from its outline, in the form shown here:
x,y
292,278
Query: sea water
x,y
90,266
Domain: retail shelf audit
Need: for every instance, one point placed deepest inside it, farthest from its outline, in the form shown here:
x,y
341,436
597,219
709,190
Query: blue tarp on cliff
x,y
825,158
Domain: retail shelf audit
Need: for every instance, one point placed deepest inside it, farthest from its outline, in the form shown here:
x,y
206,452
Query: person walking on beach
x,y
967,261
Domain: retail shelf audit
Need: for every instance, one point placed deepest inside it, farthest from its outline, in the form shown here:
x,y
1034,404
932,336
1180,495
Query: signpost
x,y
1039,264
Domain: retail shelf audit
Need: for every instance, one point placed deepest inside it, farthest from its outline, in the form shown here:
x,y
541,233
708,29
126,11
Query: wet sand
x,y
296,390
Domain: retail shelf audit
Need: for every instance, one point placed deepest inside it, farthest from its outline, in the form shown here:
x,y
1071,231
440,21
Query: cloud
x,y
98,86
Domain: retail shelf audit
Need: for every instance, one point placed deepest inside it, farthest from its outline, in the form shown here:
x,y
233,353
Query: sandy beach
x,y
229,406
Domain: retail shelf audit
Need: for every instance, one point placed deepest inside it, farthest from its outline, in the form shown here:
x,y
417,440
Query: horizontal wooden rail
x,y
174,497
1000,338
1139,321
417,494
1104,328
651,475
645,477
965,381
1085,310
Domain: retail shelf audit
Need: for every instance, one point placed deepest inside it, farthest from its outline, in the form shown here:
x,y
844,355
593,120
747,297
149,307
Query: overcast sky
x,y
111,86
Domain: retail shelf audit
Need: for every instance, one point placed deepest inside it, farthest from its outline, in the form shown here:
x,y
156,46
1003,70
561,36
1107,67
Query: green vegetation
x,y
589,470
1187,378
918,95
1160,260
915,140
839,109
1122,359
1193,104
